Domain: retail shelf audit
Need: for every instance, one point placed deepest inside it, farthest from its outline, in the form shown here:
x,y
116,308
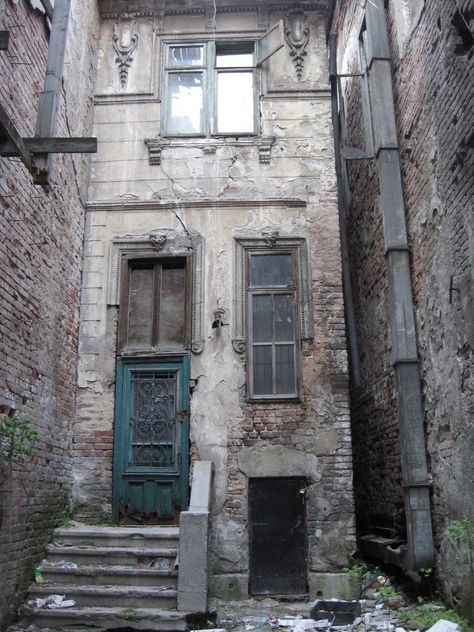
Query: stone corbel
x,y
297,38
124,54
155,147
265,145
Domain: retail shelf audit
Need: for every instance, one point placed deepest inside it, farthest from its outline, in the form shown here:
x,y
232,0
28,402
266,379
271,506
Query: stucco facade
x,y
215,197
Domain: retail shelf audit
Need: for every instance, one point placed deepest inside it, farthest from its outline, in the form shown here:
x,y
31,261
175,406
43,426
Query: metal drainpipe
x,y
46,120
346,273
418,551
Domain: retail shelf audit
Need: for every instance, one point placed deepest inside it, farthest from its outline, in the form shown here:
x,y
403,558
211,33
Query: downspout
x,y
418,551
46,121
346,274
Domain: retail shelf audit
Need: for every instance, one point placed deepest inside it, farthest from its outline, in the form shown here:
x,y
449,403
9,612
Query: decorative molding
x,y
208,145
155,147
270,237
147,206
299,246
170,242
297,38
265,145
108,9
124,56
239,345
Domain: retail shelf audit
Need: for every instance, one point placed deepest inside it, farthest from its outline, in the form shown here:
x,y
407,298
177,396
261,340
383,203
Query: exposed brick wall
x,y
434,91
40,272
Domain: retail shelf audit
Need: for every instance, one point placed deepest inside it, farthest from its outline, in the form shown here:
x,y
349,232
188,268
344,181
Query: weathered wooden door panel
x,y
278,552
151,438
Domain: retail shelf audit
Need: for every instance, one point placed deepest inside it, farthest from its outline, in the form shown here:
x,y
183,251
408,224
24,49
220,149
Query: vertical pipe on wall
x,y
46,120
419,547
346,276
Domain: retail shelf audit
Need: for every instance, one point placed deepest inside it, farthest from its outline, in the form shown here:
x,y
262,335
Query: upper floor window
x,y
210,88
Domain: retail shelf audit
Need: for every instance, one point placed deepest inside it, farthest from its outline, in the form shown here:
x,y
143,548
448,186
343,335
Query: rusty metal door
x,y
278,551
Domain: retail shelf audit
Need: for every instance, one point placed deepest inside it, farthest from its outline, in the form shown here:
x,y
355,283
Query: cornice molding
x,y
150,8
146,206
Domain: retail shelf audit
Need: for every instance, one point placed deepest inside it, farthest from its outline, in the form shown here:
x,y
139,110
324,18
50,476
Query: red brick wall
x,y
40,270
434,95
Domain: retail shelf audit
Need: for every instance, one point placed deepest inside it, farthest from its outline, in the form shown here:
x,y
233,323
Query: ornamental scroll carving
x,y
124,54
297,38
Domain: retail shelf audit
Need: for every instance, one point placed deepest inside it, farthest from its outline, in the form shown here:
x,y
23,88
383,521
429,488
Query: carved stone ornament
x,y
124,55
297,38
270,237
158,240
264,149
238,345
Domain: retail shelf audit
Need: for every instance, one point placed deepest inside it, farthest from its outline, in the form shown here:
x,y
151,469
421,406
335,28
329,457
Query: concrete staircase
x,y
119,577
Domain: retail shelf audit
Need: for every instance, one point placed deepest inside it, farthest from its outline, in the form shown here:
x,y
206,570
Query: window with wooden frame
x,y
154,305
211,88
273,333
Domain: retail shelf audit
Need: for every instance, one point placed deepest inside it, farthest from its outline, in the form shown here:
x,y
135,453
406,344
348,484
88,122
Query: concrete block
x,y
193,561
333,586
231,587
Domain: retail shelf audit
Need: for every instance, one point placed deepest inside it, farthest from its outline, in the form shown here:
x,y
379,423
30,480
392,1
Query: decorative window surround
x,y
166,242
209,146
271,239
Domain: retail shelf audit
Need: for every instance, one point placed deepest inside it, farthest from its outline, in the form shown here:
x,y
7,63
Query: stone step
x,y
146,537
110,575
110,555
109,596
105,618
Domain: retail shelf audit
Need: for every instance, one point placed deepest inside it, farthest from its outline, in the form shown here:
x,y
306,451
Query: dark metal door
x,y
151,438
278,558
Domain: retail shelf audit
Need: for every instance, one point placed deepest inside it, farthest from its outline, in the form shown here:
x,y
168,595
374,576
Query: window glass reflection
x,y
235,106
186,103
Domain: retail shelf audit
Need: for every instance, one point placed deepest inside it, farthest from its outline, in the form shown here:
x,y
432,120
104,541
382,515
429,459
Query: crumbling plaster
x,y
222,191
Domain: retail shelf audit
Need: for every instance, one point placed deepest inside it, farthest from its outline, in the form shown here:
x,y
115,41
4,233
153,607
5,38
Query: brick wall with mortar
x,y
221,193
40,271
433,79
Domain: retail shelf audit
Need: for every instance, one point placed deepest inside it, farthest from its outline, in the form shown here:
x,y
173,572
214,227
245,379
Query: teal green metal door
x,y
151,438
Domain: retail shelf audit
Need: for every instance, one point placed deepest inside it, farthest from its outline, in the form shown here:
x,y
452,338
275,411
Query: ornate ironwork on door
x,y
153,420
151,437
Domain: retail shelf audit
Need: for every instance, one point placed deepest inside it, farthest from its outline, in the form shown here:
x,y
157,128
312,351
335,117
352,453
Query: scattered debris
x,y
59,564
53,601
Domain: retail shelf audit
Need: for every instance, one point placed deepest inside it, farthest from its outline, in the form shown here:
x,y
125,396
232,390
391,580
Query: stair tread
x,y
103,550
90,611
148,591
126,532
107,570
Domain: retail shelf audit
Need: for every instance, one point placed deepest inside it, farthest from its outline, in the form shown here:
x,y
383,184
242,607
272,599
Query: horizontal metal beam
x,y
4,39
51,146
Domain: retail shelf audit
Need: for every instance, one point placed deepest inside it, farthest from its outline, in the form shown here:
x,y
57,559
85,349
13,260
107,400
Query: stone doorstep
x,y
109,575
109,596
106,618
160,537
111,554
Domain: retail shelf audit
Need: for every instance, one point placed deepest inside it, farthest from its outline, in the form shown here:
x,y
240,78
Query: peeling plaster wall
x,y
222,190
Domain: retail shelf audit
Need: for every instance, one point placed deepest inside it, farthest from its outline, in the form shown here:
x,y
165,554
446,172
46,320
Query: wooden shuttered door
x,y
154,305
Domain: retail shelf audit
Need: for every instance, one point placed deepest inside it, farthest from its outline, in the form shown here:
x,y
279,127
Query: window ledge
x,y
209,145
